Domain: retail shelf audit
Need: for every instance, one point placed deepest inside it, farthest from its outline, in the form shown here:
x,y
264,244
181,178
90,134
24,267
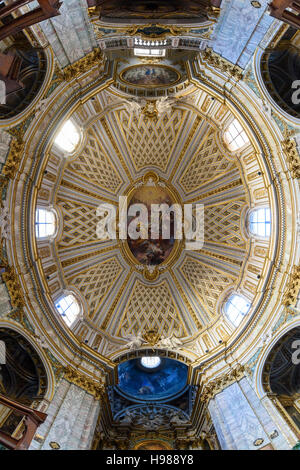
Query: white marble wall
x,y
71,421
241,419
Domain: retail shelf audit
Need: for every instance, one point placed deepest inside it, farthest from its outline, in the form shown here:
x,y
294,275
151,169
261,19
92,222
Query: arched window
x,y
260,222
235,137
45,223
236,308
68,308
68,137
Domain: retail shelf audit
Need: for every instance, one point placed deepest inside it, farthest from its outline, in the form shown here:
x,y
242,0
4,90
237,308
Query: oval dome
x,y
166,380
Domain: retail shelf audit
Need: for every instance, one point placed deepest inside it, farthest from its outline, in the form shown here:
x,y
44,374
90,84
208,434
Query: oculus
x,y
150,362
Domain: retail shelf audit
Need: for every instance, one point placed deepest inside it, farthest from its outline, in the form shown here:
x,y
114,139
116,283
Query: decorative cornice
x,y
97,389
96,57
292,291
220,383
214,59
13,286
11,166
290,149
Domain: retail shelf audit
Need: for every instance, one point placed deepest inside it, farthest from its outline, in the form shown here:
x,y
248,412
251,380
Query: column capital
x,y
220,383
97,389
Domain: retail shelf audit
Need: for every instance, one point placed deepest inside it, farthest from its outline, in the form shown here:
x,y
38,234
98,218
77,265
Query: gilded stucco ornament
x,y
97,389
292,291
13,286
220,383
293,159
11,166
96,57
214,59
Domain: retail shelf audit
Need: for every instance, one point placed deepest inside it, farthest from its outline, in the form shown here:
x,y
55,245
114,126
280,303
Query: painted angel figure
x,y
135,342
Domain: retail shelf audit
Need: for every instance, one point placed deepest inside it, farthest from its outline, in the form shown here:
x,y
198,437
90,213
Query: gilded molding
x,y
11,166
292,291
13,286
214,59
97,389
220,383
293,159
96,57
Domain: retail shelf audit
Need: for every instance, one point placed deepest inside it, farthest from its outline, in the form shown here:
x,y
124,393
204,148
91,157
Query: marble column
x,y
71,421
242,422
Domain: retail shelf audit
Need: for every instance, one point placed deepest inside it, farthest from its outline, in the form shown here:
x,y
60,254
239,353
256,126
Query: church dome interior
x,y
149,221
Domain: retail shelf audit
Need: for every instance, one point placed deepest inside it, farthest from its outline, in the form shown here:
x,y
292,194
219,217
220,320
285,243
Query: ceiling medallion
x,y
146,254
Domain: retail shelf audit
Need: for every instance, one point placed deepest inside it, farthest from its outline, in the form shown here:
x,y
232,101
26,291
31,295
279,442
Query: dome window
x,y
235,137
45,223
68,137
236,308
260,222
68,308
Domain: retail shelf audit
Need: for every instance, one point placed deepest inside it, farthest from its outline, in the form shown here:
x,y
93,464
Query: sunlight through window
x,y
260,222
68,308
68,137
235,137
44,223
236,308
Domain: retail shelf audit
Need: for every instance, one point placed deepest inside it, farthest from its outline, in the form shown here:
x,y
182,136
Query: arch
x,y
51,381
36,77
258,374
279,68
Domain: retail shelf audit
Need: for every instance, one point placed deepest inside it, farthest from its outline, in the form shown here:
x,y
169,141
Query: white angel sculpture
x,y
170,342
135,342
164,105
134,107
